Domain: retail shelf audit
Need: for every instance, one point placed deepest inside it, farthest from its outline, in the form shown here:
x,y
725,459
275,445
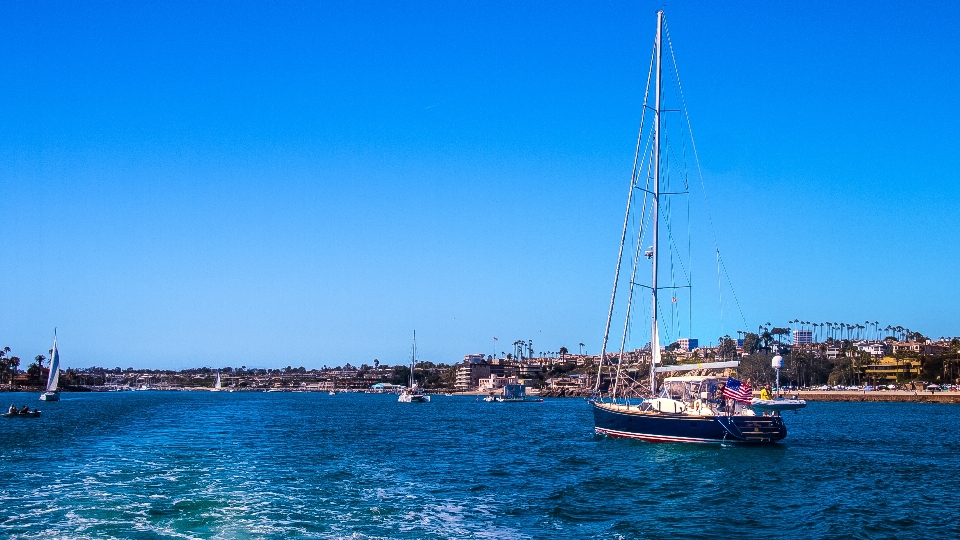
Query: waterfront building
x,y
529,372
494,382
889,370
469,375
877,349
688,344
573,381
927,349
802,337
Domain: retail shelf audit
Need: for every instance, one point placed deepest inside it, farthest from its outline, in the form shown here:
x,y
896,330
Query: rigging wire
x,y
633,176
696,155
644,165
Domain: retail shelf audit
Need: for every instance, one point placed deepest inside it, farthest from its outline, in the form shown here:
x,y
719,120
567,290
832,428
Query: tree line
x,y
10,366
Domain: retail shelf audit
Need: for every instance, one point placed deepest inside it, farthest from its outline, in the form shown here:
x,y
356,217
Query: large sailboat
x,y
413,393
695,407
51,393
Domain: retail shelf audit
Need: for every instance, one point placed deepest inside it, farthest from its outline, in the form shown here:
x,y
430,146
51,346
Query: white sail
x,y
655,345
54,376
217,385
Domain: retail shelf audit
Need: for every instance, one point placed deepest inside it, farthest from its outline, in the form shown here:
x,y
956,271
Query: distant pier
x,y
900,396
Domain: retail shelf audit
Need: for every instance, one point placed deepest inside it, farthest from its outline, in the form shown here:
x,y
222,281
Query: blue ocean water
x,y
310,465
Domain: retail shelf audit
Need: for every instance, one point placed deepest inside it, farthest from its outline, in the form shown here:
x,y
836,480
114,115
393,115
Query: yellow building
x,y
889,369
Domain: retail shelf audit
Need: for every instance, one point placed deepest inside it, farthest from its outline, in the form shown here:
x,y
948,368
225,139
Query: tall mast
x,y
413,359
654,336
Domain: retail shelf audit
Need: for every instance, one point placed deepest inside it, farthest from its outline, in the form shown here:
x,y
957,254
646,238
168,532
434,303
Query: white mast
x,y
654,334
413,359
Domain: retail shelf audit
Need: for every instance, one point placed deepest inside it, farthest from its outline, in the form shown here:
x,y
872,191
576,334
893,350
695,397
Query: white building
x,y
802,337
494,382
877,349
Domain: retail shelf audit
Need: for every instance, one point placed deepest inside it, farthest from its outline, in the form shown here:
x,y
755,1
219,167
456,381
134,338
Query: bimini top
x,y
693,378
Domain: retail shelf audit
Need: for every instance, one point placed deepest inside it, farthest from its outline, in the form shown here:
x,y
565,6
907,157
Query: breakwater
x,y
892,396
899,396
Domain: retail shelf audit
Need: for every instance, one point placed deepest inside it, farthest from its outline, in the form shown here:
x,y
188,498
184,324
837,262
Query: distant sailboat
x,y
413,393
217,386
51,393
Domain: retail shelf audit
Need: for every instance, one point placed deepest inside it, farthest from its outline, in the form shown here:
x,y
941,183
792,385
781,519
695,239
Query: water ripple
x,y
274,465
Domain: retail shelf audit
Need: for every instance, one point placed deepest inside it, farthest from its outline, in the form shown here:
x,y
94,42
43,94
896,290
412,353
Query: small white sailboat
x,y
413,393
217,386
51,393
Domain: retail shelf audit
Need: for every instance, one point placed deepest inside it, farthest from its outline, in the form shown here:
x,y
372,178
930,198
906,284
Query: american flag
x,y
738,391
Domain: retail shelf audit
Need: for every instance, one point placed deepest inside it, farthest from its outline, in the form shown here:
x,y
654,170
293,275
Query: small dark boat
x,y
18,414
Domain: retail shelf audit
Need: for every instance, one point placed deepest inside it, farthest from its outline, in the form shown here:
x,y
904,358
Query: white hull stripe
x,y
656,438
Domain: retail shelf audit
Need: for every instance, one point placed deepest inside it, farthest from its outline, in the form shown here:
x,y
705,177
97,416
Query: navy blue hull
x,y
661,427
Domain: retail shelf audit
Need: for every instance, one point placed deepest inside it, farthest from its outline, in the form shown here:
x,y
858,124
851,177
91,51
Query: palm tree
x,y
4,362
14,366
581,349
38,363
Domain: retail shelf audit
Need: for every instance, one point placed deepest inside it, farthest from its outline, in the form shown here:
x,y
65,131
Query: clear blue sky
x,y
307,183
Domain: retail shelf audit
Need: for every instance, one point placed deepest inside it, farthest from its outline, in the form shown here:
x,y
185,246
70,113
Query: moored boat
x,y
516,393
688,409
777,404
698,408
413,393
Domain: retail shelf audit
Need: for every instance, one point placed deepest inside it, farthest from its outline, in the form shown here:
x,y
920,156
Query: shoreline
x,y
903,396
876,396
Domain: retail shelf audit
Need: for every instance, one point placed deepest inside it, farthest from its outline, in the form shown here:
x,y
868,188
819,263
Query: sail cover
x,y
54,376
655,345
